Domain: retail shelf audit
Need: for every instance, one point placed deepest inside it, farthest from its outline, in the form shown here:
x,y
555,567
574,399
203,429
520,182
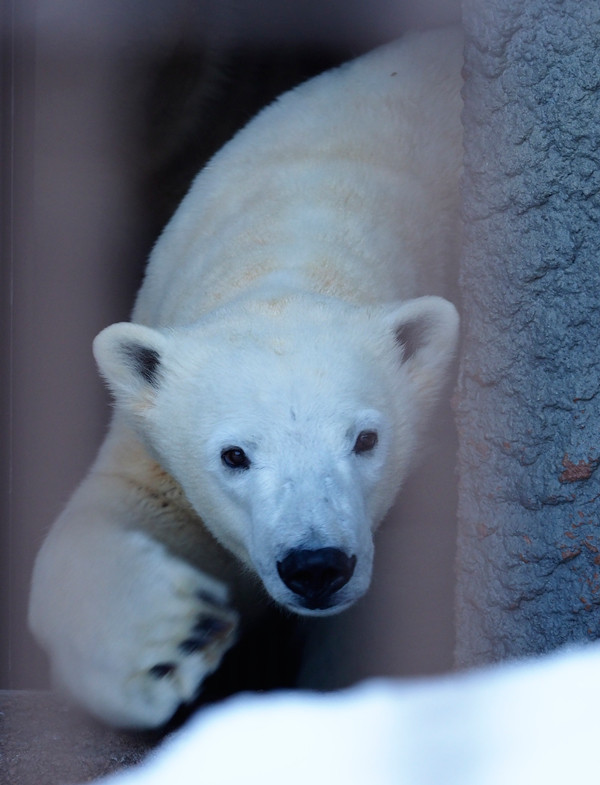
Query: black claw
x,y
204,596
192,645
203,634
162,670
209,627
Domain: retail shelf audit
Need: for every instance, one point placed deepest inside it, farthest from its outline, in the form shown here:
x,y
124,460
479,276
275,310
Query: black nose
x,y
316,575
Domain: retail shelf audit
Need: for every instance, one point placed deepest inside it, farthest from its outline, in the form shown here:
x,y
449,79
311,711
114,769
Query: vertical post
x,y
68,235
528,402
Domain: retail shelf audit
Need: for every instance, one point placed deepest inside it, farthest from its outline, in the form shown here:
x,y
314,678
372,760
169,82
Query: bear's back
x,y
392,117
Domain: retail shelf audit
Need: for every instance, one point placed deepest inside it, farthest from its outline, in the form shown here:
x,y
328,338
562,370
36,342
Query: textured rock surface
x,y
528,405
45,742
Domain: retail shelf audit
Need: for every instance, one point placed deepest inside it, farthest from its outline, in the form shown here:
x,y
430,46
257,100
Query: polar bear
x,y
285,351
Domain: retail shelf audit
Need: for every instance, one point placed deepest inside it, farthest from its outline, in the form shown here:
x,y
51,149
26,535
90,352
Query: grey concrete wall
x,y
528,407
70,226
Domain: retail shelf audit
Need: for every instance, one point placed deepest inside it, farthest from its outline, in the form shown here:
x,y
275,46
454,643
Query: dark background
x,y
108,110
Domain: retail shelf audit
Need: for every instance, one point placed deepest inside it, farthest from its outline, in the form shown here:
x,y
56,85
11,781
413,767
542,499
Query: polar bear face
x,y
290,426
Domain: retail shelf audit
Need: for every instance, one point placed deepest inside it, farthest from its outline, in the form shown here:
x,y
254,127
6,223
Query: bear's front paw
x,y
176,643
140,633
192,654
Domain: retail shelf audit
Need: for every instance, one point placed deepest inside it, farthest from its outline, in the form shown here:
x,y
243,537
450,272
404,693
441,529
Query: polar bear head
x,y
290,425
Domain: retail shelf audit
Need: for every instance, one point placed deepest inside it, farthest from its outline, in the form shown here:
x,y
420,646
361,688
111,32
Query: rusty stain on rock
x,y
574,472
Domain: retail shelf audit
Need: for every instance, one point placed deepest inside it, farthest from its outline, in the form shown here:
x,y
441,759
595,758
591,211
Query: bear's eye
x,y
235,458
365,441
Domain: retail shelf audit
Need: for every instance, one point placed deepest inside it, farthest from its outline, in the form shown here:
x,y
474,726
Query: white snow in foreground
x,y
533,722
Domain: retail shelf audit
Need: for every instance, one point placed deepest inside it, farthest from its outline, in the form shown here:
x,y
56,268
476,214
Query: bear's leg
x,y
131,630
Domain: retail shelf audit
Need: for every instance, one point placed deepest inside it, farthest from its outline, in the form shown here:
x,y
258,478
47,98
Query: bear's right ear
x,y
129,357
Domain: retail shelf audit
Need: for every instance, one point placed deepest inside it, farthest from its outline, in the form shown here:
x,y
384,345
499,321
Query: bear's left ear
x,y
129,357
426,333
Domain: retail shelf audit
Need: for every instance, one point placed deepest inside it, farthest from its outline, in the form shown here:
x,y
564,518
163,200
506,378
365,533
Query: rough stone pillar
x,y
528,402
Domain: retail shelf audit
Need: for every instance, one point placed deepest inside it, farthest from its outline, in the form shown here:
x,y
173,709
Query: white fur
x,y
525,723
269,321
